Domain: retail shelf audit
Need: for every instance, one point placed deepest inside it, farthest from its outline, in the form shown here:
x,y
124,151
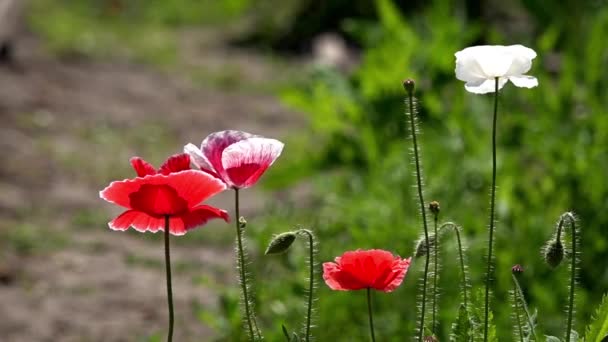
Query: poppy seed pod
x,y
554,253
280,243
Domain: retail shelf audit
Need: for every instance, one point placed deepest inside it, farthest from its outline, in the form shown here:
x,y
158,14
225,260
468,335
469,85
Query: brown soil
x,y
68,128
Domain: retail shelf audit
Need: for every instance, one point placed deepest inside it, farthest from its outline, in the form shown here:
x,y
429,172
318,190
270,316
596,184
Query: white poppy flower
x,y
479,66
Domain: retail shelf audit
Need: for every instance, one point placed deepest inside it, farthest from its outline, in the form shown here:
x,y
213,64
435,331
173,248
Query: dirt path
x,y
68,128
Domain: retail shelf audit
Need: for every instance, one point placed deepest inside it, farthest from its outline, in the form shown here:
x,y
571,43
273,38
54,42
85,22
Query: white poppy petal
x,y
487,86
468,69
197,157
524,81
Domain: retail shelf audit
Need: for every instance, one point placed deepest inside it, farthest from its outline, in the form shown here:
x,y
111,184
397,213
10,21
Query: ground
x,y
69,126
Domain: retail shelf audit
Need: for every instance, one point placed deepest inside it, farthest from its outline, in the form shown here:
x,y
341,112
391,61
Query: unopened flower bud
x,y
409,85
242,222
421,248
430,339
281,243
517,269
434,207
554,253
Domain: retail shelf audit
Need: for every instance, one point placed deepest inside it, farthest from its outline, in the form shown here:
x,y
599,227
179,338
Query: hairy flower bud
x,y
281,243
554,253
517,269
409,85
434,207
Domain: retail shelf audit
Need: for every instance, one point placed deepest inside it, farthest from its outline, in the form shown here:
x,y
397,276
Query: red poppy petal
x,y
198,216
400,268
339,279
175,163
140,221
214,145
191,185
245,161
142,167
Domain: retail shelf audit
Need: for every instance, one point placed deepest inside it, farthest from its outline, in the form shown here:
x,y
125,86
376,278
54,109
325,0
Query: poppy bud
x,y
554,253
421,249
280,243
434,207
409,85
242,222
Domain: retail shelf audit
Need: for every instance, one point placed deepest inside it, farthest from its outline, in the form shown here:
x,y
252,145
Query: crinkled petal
x,y
398,272
524,81
245,161
175,163
214,145
140,221
339,280
142,167
191,185
487,86
178,225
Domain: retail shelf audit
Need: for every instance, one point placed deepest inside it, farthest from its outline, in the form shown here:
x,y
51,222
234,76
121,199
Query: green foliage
x,y
597,330
461,329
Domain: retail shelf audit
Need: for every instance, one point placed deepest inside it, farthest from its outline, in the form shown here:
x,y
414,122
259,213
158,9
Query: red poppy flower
x,y
170,191
356,270
237,158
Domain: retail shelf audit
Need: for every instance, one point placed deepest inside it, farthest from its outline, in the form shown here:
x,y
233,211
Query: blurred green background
x,y
346,169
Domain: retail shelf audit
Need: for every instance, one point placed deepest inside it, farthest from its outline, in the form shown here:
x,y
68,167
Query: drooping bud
x,y
280,243
517,269
421,248
430,339
434,207
242,222
409,85
554,252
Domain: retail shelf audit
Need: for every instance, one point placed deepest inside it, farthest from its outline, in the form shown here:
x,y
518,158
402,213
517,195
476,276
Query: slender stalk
x,y
517,315
492,205
461,259
311,282
410,93
520,295
435,272
241,263
169,286
572,277
371,316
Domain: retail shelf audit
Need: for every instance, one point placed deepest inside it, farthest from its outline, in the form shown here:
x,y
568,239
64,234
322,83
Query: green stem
x,y
168,274
422,209
461,257
371,316
517,315
492,204
572,277
311,284
435,273
241,263
520,294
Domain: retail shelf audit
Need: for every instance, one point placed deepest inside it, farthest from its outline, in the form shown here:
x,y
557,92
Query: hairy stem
x,y
168,274
241,264
311,284
371,316
572,275
517,311
492,204
520,295
461,259
435,273
412,117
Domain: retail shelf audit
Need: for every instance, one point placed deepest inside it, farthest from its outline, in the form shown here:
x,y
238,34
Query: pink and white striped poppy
x,y
174,192
237,158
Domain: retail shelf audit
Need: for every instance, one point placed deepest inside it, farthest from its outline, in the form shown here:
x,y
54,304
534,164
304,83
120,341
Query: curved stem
x,y
492,204
241,263
461,257
168,274
422,209
371,316
435,273
311,282
572,277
